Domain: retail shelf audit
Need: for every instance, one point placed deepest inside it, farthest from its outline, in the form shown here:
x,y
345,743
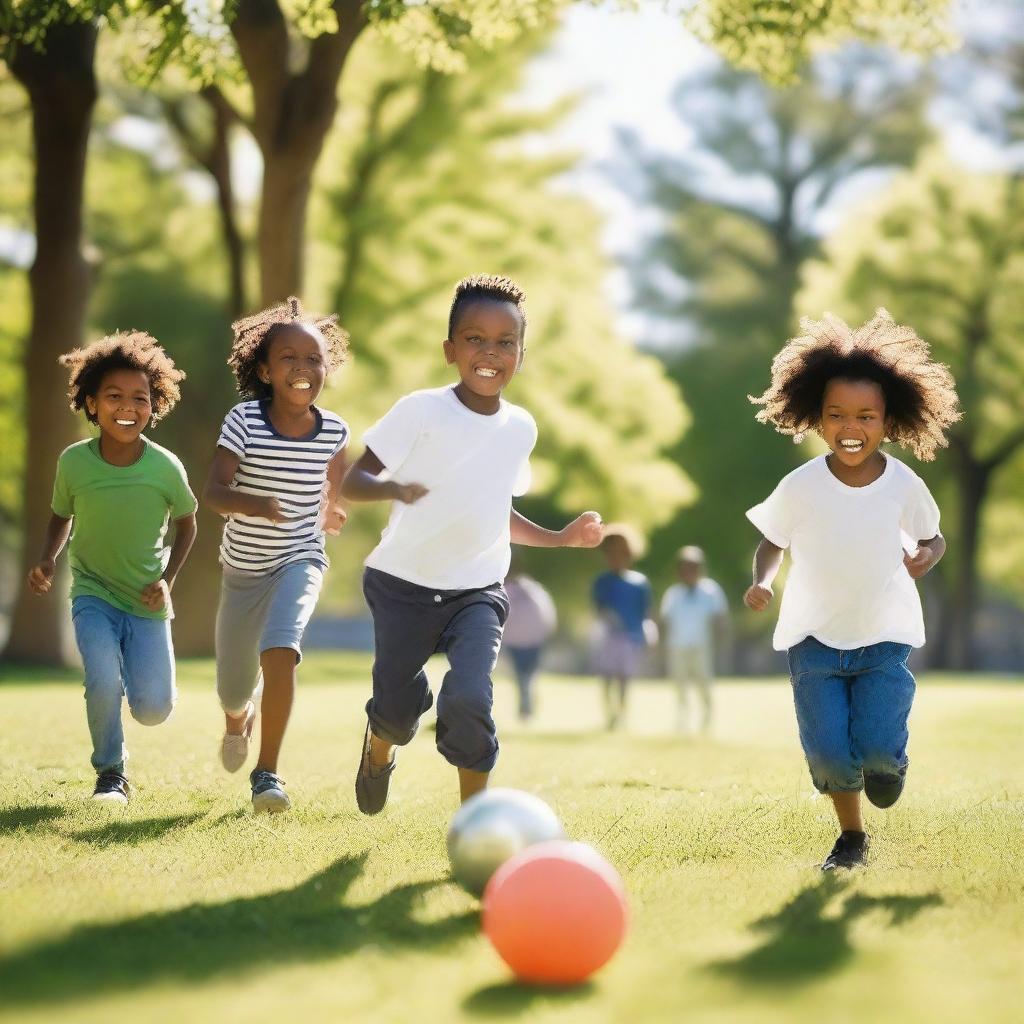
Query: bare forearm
x,y
767,562
227,501
529,534
184,538
359,485
58,529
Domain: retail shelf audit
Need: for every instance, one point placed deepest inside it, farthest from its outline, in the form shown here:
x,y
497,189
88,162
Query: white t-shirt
x,y
456,537
847,585
688,612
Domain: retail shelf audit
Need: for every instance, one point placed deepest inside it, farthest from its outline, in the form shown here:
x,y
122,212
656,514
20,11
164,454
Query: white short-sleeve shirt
x,y
689,611
456,537
847,585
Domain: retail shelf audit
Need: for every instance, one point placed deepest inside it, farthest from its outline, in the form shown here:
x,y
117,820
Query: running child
x,y
861,527
274,478
118,491
451,459
622,598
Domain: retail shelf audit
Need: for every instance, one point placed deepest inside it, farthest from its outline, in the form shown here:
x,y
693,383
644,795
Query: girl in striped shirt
x,y
274,478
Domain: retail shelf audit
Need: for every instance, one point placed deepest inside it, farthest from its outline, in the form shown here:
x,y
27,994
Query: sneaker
x,y
234,748
850,851
268,795
884,790
112,788
371,782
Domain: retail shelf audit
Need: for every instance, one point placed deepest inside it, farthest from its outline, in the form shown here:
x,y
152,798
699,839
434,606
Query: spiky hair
x,y
253,335
920,394
127,350
485,286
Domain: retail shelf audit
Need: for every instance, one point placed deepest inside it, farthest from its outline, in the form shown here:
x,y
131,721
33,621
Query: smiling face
x,y
295,365
487,347
122,404
853,420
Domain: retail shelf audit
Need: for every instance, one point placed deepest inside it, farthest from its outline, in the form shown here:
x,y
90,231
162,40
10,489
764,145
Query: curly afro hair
x,y
128,350
488,287
253,335
920,396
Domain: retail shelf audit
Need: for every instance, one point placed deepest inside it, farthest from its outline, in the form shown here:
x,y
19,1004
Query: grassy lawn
x,y
185,907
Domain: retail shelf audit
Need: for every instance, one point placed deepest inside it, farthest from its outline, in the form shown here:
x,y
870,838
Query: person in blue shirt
x,y
622,598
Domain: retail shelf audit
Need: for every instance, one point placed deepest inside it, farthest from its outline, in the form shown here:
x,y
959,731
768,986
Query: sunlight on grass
x,y
185,907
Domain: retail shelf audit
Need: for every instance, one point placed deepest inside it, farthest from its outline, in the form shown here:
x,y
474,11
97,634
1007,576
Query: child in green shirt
x,y
119,491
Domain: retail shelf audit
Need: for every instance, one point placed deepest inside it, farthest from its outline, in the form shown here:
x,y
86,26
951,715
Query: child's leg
x,y
847,807
295,590
241,615
704,675
679,673
149,669
881,697
466,735
98,634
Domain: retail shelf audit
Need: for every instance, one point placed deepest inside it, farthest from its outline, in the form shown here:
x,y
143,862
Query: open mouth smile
x,y
486,371
851,445
126,423
301,385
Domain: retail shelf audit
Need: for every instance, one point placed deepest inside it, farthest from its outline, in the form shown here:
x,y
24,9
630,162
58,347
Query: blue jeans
x,y
525,662
122,653
852,708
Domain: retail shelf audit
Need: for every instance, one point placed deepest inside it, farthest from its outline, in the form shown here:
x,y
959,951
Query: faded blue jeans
x,y
852,708
122,654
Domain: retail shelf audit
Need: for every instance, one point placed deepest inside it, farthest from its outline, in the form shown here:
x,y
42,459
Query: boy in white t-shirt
x,y
451,459
860,527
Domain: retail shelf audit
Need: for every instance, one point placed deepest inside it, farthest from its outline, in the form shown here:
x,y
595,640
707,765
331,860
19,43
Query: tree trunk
x,y
61,85
972,485
282,231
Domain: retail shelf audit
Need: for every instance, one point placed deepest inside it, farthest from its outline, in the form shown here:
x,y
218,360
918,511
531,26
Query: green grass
x,y
186,907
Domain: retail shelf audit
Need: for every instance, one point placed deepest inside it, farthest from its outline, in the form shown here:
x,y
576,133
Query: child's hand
x,y
409,493
335,518
920,562
157,595
41,577
585,531
270,508
757,598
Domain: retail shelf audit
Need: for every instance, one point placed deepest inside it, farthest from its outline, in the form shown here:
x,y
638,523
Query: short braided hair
x,y
920,394
253,335
123,350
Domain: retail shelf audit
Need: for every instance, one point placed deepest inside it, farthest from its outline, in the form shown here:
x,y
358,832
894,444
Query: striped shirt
x,y
291,469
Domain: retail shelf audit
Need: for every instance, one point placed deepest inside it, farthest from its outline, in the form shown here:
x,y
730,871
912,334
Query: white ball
x,y
493,826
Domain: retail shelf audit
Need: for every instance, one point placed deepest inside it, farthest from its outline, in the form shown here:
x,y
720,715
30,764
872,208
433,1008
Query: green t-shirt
x,y
120,520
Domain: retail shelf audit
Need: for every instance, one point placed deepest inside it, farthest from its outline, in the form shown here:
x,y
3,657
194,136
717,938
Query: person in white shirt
x,y
451,459
694,616
531,621
860,527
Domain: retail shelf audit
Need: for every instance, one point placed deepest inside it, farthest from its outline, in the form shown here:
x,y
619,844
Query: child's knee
x,y
150,711
834,772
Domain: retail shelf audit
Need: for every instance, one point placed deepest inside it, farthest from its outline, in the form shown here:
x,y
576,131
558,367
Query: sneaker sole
x,y
271,802
234,755
110,798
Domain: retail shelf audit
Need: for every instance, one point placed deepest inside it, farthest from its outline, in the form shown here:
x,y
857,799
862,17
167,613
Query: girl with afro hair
x,y
860,527
120,490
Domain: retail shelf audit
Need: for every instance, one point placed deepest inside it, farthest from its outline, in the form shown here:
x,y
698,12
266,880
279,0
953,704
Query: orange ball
x,y
555,912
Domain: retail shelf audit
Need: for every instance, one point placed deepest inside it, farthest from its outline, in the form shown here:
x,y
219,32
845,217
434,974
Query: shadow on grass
x,y
29,817
511,998
306,924
804,943
131,833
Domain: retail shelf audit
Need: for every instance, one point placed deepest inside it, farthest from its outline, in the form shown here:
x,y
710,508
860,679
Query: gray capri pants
x,y
410,623
257,612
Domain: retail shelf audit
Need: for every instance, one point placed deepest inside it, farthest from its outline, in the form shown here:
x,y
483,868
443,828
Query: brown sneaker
x,y
372,782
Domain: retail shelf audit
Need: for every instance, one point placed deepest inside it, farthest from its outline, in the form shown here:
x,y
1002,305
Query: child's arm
x,y
928,554
361,483
334,514
767,562
158,593
220,497
41,575
585,531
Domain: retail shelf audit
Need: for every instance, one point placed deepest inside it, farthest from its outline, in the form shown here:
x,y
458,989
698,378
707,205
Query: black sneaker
x,y
884,790
371,782
112,788
268,795
850,851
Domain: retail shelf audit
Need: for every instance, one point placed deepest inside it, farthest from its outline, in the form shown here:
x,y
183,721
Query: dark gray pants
x,y
411,623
